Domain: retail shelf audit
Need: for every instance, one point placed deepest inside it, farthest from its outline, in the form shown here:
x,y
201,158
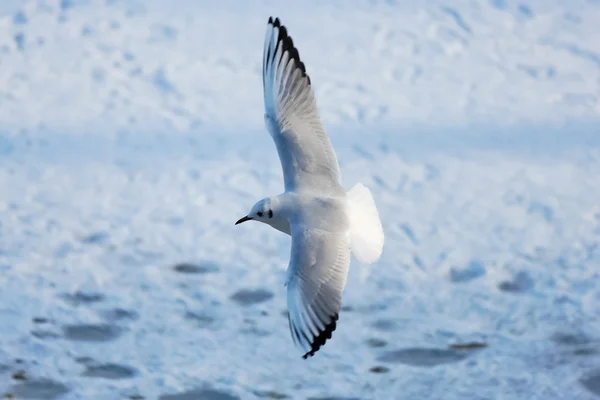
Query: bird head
x,y
261,212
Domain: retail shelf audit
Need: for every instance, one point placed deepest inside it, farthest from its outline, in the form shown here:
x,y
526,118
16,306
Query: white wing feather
x,y
317,276
307,158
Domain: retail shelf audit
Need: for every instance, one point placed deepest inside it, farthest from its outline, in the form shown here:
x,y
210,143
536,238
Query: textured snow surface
x,y
139,65
132,140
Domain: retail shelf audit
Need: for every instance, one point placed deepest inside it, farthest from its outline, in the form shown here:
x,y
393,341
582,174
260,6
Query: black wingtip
x,y
288,44
320,340
275,22
283,36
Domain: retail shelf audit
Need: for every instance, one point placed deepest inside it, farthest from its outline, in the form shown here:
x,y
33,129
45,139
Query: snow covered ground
x,y
132,139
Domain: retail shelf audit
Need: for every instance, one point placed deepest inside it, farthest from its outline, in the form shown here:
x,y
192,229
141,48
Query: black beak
x,y
243,219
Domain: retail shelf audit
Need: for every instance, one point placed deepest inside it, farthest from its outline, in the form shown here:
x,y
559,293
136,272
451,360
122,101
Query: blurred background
x,y
132,138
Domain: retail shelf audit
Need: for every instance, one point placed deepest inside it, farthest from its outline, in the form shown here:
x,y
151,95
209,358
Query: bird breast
x,y
326,213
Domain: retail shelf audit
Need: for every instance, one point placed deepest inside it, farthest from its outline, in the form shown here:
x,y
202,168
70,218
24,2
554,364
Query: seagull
x,y
326,223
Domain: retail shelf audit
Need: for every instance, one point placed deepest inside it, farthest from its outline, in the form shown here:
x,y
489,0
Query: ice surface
x,y
146,65
133,139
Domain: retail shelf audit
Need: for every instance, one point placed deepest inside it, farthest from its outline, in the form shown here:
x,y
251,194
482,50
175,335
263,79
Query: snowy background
x,y
132,139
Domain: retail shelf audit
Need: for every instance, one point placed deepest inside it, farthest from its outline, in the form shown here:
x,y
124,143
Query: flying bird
x,y
326,223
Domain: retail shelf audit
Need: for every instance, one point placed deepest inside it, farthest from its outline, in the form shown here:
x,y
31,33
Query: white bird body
x,y
319,212
326,224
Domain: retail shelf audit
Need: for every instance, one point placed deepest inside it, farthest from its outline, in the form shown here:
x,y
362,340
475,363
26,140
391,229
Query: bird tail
x,y
366,232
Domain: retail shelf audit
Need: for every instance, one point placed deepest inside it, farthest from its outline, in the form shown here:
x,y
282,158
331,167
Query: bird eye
x,y
260,213
270,213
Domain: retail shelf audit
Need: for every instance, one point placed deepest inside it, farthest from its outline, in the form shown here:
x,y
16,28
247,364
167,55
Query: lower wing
x,y
318,271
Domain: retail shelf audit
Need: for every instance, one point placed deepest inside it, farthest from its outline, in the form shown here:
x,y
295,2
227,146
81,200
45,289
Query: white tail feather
x,y
366,232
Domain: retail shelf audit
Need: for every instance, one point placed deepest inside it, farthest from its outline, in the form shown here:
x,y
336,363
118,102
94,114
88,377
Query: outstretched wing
x,y
308,160
317,275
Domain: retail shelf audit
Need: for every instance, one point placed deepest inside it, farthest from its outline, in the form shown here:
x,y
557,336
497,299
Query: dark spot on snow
x,y
522,282
128,56
20,41
110,371
409,233
95,238
253,330
468,346
246,297
106,49
543,210
92,332
347,309
63,250
570,339
19,376
376,343
20,18
550,72
535,72
499,4
592,382
162,82
66,4
385,325
421,357
271,395
525,11
363,152
132,260
586,351
44,334
120,314
584,345
474,270
176,221
39,389
137,71
379,369
574,18
379,181
418,262
202,268
136,397
200,394
458,19
200,319
431,172
40,320
79,298
166,31
99,75
86,30
85,360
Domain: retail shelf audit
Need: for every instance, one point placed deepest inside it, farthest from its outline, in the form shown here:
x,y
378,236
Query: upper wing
x,y
316,278
308,160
